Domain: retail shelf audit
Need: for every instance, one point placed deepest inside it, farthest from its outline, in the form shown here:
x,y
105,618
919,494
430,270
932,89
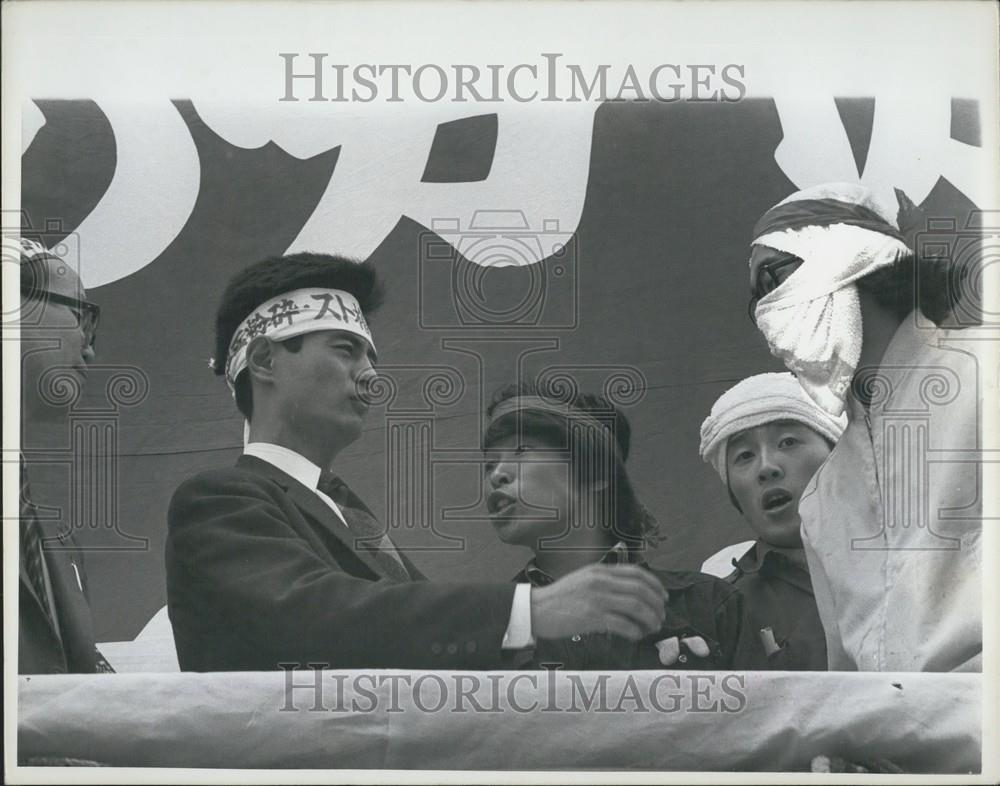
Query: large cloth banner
x,y
646,720
599,246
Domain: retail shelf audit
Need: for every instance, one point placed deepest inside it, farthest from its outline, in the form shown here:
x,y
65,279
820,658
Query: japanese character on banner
x,y
346,313
240,340
283,312
256,326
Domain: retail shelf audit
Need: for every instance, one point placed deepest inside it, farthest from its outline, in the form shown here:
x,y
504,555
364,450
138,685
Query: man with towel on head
x,y
276,562
891,527
766,438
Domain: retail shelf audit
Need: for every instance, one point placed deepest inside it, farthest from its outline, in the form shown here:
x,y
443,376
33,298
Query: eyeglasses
x,y
770,276
87,314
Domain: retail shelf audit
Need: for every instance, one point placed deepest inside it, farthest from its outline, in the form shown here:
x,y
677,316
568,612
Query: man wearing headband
x,y
555,482
892,536
58,329
277,562
766,438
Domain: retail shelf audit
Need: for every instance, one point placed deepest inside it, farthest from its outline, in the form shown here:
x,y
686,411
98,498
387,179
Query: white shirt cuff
x,y
518,635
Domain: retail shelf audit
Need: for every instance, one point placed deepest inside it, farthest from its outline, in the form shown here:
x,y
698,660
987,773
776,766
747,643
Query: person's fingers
x,y
648,615
630,573
820,764
697,646
622,626
669,650
641,591
642,575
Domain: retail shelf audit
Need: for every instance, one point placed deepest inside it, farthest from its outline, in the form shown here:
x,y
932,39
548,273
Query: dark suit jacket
x,y
71,649
260,572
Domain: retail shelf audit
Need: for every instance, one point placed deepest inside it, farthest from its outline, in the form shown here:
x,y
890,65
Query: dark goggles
x,y
769,278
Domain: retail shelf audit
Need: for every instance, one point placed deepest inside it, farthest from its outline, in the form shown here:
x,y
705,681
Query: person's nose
x,y
502,474
364,367
366,382
88,353
769,468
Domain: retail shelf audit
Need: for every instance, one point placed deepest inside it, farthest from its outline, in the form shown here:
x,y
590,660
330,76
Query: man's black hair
x,y
633,523
933,285
273,276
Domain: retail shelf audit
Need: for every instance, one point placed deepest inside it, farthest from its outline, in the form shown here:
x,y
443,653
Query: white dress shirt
x,y
294,464
518,634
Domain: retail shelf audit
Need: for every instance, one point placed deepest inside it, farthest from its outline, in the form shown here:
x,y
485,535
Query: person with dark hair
x,y
276,562
766,438
555,482
58,331
892,536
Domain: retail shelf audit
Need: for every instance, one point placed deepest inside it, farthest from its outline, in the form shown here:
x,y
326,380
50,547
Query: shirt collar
x,y
754,559
769,559
616,555
287,460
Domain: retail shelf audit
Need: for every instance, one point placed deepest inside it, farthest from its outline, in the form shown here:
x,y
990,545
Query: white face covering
x,y
813,320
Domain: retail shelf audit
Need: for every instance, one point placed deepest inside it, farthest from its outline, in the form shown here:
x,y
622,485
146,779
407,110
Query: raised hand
x,y
624,600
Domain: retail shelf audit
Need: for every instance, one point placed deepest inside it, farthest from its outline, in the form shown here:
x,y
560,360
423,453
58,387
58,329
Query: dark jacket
x,y
779,597
41,648
698,605
261,572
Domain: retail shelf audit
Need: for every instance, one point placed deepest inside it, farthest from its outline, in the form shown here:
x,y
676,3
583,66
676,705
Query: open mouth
x,y
498,503
774,500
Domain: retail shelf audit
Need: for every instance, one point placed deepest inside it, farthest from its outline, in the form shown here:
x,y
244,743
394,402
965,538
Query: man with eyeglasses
x,y
58,330
891,536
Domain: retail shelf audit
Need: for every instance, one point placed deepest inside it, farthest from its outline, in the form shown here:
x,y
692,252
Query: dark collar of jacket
x,y
767,561
536,577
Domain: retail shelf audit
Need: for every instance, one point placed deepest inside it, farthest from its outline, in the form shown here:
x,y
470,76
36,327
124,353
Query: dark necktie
x,y
31,545
369,534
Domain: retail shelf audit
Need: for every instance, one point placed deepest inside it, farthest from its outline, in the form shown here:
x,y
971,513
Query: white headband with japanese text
x,y
293,314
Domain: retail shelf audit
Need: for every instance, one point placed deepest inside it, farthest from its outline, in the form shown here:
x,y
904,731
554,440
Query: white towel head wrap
x,y
756,401
812,321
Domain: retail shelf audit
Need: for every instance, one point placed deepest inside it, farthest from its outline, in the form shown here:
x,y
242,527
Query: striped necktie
x,y
369,534
31,546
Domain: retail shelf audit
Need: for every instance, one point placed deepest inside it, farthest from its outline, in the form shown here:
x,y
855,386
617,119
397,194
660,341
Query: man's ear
x,y
260,359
